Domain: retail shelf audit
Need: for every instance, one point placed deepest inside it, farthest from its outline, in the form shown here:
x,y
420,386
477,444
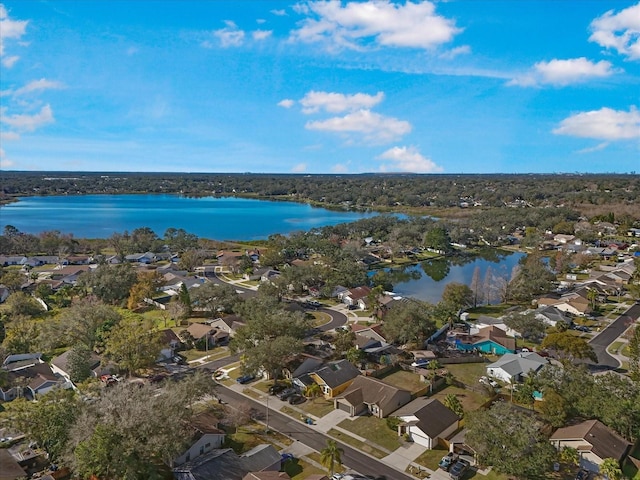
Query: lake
x,y
426,280
228,218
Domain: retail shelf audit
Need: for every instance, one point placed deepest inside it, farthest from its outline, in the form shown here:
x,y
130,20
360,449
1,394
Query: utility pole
x,y
267,428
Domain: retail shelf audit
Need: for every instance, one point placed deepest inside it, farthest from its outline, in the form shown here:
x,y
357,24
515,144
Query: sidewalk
x,y
399,459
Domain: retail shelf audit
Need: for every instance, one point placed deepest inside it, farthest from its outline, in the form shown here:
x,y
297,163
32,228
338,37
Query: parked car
x,y
245,378
583,474
421,362
459,469
286,393
285,457
447,461
296,399
276,388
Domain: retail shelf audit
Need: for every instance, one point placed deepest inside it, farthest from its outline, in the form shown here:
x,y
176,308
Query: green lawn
x,y
349,440
431,458
373,429
470,400
468,373
402,379
320,318
298,469
318,407
614,347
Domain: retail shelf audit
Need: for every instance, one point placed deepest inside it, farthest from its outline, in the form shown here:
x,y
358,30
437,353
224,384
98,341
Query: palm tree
x,y
611,469
331,456
312,391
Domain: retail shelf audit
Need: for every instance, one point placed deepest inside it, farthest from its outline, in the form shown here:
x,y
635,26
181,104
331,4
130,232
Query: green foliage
x,y
110,283
214,298
510,440
569,346
634,353
47,421
532,278
331,456
393,422
22,304
20,334
79,363
554,408
410,321
569,455
611,468
452,402
133,344
527,325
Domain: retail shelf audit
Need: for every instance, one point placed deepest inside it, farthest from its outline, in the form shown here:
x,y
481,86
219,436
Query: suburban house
x,y
512,367
371,340
206,437
351,296
370,395
488,340
213,335
552,316
426,421
171,342
70,274
144,258
228,324
594,442
32,381
225,464
269,276
335,377
573,303
298,369
60,365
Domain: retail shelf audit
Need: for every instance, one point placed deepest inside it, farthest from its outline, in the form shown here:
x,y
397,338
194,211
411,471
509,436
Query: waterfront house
x,y
489,339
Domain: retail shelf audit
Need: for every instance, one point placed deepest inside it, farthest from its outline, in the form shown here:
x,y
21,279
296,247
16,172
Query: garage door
x,y
345,407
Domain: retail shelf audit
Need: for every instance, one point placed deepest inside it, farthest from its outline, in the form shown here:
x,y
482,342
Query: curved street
x,y
606,337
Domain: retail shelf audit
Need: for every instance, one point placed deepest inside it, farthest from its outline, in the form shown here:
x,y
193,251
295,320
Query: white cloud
x,y
4,161
229,36
620,31
373,127
408,159
260,21
37,86
131,51
10,61
26,122
286,103
299,168
9,136
340,168
279,13
261,34
381,22
338,102
454,52
597,148
603,124
563,72
13,29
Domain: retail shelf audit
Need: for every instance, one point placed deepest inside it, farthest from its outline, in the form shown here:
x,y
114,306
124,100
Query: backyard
x,y
403,379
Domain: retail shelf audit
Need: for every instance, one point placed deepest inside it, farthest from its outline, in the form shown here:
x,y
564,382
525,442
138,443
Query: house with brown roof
x,y
351,296
489,339
370,395
426,421
594,442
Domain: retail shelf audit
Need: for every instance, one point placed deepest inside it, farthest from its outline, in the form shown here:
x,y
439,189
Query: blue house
x,y
487,340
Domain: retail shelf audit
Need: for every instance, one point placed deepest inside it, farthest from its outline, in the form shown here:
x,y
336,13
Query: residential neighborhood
x,y
403,383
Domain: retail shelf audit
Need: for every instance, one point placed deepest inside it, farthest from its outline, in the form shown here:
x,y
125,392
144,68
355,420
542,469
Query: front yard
x,y
373,429
354,442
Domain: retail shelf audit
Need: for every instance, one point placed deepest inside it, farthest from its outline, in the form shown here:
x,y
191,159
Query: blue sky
x,y
320,87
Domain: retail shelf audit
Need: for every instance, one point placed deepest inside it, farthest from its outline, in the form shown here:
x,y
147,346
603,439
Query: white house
x,y
511,367
207,437
426,421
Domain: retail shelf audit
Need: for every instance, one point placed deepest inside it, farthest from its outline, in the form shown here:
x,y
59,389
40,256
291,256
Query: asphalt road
x,y
609,335
297,430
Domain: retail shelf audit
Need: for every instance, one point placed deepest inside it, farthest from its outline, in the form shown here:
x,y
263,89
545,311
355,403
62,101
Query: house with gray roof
x,y
370,395
225,464
512,367
426,421
335,377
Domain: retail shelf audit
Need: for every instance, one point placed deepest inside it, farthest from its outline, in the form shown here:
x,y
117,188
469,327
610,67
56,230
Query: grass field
x,y
373,429
468,373
469,399
354,442
403,379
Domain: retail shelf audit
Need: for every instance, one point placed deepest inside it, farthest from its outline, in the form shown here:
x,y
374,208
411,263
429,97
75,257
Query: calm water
x,y
99,216
428,279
